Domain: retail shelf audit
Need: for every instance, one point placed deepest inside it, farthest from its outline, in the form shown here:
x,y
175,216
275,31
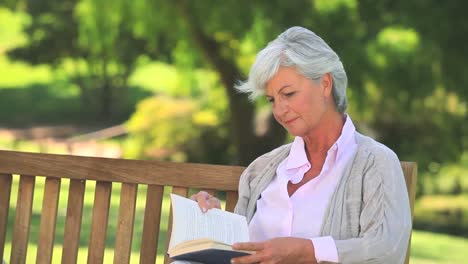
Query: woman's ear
x,y
327,84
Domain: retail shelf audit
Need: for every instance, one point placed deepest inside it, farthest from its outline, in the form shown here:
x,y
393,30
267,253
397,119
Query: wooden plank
x,y
71,238
22,219
151,224
5,191
410,170
97,242
231,200
48,220
182,191
124,235
202,176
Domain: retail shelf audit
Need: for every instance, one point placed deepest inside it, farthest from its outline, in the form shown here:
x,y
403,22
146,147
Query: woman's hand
x,y
206,201
277,250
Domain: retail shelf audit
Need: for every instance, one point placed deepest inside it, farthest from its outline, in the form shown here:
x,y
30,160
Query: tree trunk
x,y
248,145
106,91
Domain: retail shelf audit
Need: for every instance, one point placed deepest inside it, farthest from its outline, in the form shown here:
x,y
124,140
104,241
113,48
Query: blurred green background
x,y
153,79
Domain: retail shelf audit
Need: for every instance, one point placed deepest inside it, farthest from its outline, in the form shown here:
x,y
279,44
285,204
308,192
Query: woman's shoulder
x,y
264,166
372,150
276,153
271,158
372,146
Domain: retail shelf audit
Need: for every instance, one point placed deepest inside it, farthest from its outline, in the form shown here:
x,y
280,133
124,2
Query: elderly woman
x,y
333,195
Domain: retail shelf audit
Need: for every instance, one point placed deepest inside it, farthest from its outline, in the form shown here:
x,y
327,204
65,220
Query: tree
x,y
406,64
92,41
394,57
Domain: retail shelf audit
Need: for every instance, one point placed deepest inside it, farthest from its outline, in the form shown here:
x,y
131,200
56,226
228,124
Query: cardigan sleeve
x,y
243,192
385,218
257,175
251,173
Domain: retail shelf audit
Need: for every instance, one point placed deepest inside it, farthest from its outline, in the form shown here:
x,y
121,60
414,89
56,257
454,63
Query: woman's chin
x,y
296,132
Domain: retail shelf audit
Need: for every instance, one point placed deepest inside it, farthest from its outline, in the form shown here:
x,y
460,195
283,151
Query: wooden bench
x,y
132,174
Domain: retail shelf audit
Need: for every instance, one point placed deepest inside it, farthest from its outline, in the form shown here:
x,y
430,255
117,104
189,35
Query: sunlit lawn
x,y
427,248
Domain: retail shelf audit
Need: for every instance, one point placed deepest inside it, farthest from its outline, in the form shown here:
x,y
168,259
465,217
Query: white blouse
x,y
302,214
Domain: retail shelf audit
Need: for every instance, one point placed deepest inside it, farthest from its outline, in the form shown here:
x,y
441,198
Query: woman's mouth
x,y
290,121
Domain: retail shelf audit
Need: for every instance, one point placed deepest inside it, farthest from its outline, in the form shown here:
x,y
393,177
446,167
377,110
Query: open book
x,y
205,237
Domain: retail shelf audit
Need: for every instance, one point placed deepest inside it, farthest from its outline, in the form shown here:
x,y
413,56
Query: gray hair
x,y
302,49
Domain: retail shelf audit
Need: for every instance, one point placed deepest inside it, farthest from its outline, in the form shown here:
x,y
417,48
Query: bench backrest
x,y
132,174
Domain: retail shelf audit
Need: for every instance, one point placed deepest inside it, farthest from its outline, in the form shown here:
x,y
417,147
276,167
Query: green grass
x,y
426,248
429,248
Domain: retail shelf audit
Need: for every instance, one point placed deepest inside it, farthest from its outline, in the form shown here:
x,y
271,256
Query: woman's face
x,y
298,103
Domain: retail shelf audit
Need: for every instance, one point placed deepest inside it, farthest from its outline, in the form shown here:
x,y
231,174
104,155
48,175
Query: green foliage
x,y
447,179
157,77
17,74
11,35
173,129
170,127
393,43
96,39
407,73
332,6
40,95
185,121
443,214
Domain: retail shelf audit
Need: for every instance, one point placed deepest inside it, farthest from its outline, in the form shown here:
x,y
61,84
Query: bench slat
x,y
123,239
231,200
71,237
22,219
202,176
410,170
182,191
48,220
97,240
5,190
152,220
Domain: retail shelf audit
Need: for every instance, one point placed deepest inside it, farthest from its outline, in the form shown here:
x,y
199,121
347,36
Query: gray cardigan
x,y
368,216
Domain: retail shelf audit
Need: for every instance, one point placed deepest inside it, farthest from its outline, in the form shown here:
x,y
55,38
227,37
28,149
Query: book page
x,y
189,222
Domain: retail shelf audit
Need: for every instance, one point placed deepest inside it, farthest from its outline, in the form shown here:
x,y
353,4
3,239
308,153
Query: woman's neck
x,y
319,141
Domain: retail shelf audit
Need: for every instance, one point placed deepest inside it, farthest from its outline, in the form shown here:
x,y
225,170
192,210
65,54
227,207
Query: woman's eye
x,y
271,100
289,94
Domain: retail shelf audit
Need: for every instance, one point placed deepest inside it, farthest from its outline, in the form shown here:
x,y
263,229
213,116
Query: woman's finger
x,y
203,199
200,195
254,258
213,202
249,246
